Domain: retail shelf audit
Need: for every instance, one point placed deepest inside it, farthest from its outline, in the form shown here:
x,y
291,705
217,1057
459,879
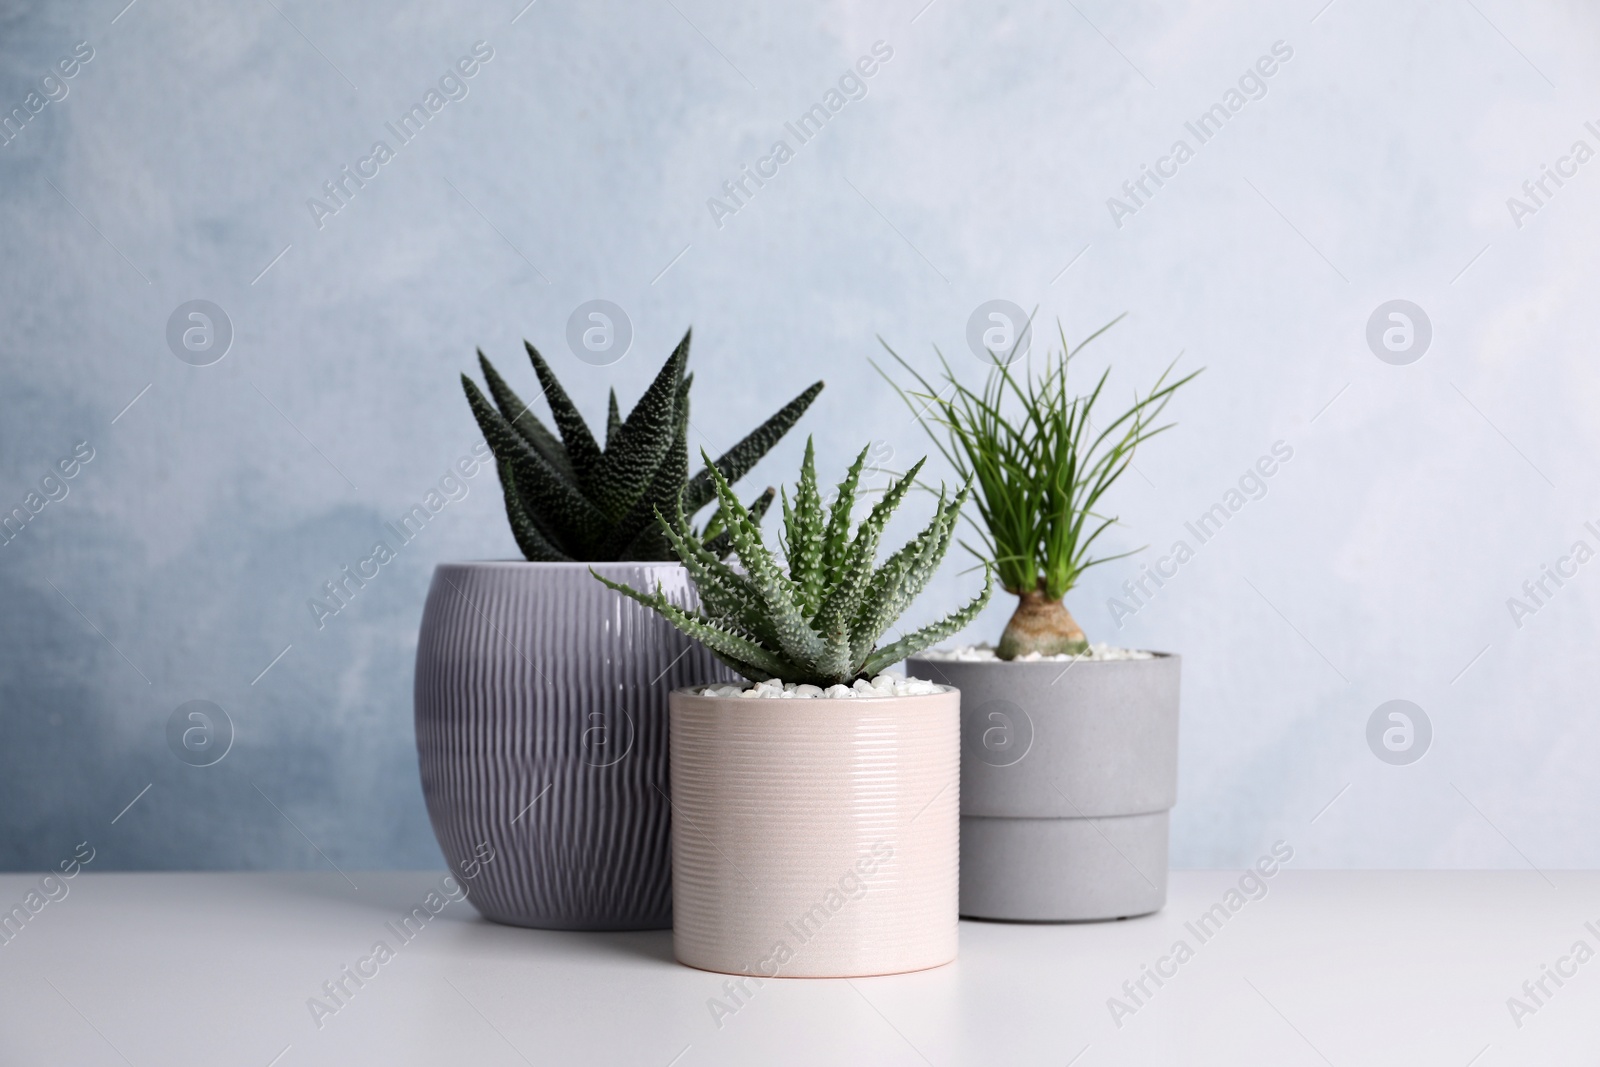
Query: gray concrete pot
x,y
541,717
1068,771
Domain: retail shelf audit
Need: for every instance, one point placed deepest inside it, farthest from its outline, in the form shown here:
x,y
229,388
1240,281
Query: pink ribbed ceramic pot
x,y
815,838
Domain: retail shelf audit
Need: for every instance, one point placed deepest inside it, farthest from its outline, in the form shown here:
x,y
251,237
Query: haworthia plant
x,y
571,499
817,621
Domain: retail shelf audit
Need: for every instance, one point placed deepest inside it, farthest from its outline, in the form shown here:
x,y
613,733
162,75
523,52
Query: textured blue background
x,y
1378,565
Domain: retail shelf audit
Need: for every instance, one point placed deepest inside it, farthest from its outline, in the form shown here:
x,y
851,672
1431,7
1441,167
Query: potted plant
x,y
541,726
1069,761
814,811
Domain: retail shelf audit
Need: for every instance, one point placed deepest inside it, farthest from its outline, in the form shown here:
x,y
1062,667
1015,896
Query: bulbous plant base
x,y
1043,626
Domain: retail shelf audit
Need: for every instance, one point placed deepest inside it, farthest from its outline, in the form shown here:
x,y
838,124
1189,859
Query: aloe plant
x,y
571,499
816,621
1041,474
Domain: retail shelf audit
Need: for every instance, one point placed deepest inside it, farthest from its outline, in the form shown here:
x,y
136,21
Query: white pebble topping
x,y
884,685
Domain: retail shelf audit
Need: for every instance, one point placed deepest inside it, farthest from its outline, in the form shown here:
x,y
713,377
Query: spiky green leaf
x,y
736,462
931,634
613,418
725,594
901,577
803,534
717,540
530,540
796,640
582,451
756,622
643,468
521,416
642,443
836,536
551,502
743,655
854,574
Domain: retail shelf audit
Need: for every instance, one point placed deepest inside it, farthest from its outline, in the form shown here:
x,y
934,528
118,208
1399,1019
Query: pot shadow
x,y
1058,922
647,946
383,895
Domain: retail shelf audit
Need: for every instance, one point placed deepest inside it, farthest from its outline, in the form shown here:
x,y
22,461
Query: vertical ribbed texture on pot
x,y
541,726
815,838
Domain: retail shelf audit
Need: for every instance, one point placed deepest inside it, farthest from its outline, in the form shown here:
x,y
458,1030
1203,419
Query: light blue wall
x,y
978,165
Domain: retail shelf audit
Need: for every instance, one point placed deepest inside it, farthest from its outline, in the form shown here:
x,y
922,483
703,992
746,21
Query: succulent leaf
x,y
836,538
521,416
855,573
552,502
725,592
895,584
582,452
758,622
646,435
795,638
803,534
638,533
613,419
743,655
717,539
933,633
736,462
569,499
533,543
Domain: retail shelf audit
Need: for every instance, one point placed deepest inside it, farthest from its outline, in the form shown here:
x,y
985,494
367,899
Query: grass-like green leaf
x,y
1040,472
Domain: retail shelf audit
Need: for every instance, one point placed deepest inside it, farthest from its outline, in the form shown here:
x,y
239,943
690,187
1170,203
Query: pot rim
x,y
694,691
1155,657
559,566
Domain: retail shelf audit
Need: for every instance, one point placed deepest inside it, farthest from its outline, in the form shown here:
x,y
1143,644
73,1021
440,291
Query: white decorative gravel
x,y
884,685
986,654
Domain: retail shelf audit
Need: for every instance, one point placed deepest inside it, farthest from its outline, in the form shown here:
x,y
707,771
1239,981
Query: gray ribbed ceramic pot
x,y
1068,772
541,717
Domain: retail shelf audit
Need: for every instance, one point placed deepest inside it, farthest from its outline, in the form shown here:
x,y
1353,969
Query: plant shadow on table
x,y
649,946
385,895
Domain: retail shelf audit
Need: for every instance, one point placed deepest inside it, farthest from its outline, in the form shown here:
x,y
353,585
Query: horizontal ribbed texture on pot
x,y
827,828
542,737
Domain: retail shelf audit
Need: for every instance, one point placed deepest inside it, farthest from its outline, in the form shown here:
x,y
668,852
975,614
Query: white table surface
x,y
1338,968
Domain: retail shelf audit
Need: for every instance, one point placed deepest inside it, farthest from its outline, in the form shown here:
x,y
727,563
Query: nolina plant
x,y
569,498
818,621
1040,474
